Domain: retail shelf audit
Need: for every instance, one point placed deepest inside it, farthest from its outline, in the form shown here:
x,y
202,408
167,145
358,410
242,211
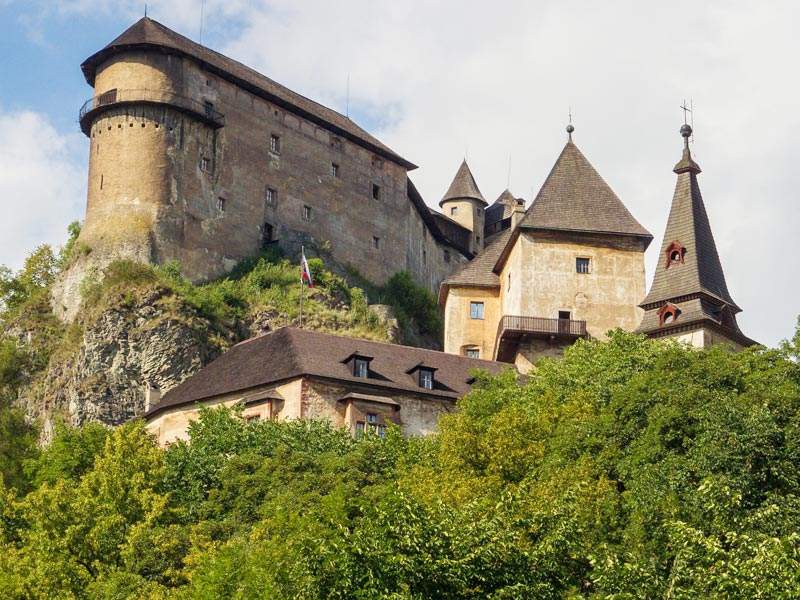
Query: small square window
x,y
426,379
376,191
583,265
270,196
376,241
472,353
306,213
476,310
372,418
275,144
221,204
334,170
453,211
361,368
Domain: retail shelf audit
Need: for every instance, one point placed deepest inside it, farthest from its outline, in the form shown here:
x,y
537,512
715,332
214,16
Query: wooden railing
x,y
202,109
512,329
541,325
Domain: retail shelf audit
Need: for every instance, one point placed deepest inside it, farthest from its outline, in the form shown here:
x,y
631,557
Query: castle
x,y
196,158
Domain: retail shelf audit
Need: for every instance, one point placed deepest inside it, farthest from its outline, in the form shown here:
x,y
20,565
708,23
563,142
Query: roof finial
x,y
570,127
686,163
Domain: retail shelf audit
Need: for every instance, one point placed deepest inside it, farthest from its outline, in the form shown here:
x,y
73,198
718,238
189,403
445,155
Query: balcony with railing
x,y
514,330
202,110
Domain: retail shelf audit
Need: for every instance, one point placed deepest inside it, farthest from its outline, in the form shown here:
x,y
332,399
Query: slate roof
x,y
479,272
288,353
500,209
701,271
149,34
575,198
696,286
463,186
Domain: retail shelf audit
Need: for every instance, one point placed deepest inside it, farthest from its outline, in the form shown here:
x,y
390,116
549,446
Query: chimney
x,y
152,396
518,212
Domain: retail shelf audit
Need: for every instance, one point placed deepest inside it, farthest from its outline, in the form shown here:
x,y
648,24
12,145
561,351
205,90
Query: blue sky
x,y
440,79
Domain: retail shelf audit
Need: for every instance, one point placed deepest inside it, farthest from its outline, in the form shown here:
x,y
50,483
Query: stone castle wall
x,y
167,185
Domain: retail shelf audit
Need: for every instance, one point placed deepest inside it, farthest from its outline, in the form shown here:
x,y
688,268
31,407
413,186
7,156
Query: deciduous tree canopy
x,y
629,469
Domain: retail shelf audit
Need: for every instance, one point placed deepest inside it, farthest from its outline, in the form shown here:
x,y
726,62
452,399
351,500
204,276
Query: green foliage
x,y
412,301
629,469
30,282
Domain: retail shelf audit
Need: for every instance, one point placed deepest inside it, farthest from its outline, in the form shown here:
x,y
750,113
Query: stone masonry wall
x,y
165,185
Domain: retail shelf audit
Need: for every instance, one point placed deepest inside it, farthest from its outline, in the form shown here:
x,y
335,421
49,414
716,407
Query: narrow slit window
x,y
275,144
334,170
270,196
306,213
221,204
376,191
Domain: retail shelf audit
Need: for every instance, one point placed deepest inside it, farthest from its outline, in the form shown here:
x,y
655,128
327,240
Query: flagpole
x,y
302,283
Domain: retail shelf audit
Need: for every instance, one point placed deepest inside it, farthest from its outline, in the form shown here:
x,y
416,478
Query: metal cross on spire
x,y
686,109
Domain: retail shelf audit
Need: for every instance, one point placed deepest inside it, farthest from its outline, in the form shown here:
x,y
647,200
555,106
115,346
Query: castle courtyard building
x,y
198,159
294,373
571,266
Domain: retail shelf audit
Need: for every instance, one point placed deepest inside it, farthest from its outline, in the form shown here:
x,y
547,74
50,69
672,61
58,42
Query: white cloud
x,y
442,79
42,185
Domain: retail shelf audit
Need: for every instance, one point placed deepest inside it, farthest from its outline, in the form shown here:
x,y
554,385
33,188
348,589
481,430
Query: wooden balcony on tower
x,y
514,330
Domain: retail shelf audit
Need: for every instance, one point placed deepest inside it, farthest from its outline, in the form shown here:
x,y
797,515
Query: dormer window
x,y
360,367
675,254
668,314
426,378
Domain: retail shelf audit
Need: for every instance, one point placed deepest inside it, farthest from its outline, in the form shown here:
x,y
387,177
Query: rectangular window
x,y
270,196
334,170
221,204
564,315
376,242
205,164
476,310
426,379
372,418
453,211
275,144
376,191
359,428
582,265
472,353
306,213
360,368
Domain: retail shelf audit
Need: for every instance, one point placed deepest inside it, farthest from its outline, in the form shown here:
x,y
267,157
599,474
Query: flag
x,y
305,272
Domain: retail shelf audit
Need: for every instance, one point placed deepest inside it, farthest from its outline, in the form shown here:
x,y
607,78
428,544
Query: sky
x,y
492,82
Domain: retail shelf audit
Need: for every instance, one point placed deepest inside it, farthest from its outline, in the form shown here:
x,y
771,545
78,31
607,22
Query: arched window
x,y
675,253
668,314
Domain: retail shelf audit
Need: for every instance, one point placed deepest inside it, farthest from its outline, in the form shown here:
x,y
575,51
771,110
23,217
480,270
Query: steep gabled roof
x,y
575,198
700,271
288,353
463,186
149,34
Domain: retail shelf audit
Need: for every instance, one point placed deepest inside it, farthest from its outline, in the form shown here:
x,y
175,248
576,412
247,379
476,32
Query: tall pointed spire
x,y
463,186
689,290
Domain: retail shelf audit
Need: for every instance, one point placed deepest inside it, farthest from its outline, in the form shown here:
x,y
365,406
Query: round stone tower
x,y
465,204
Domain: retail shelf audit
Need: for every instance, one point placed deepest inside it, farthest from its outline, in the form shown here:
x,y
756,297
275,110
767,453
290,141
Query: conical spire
x,y
689,262
463,186
689,287
575,198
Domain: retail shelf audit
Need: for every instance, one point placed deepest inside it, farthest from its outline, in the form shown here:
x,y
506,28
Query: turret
x,y
465,204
